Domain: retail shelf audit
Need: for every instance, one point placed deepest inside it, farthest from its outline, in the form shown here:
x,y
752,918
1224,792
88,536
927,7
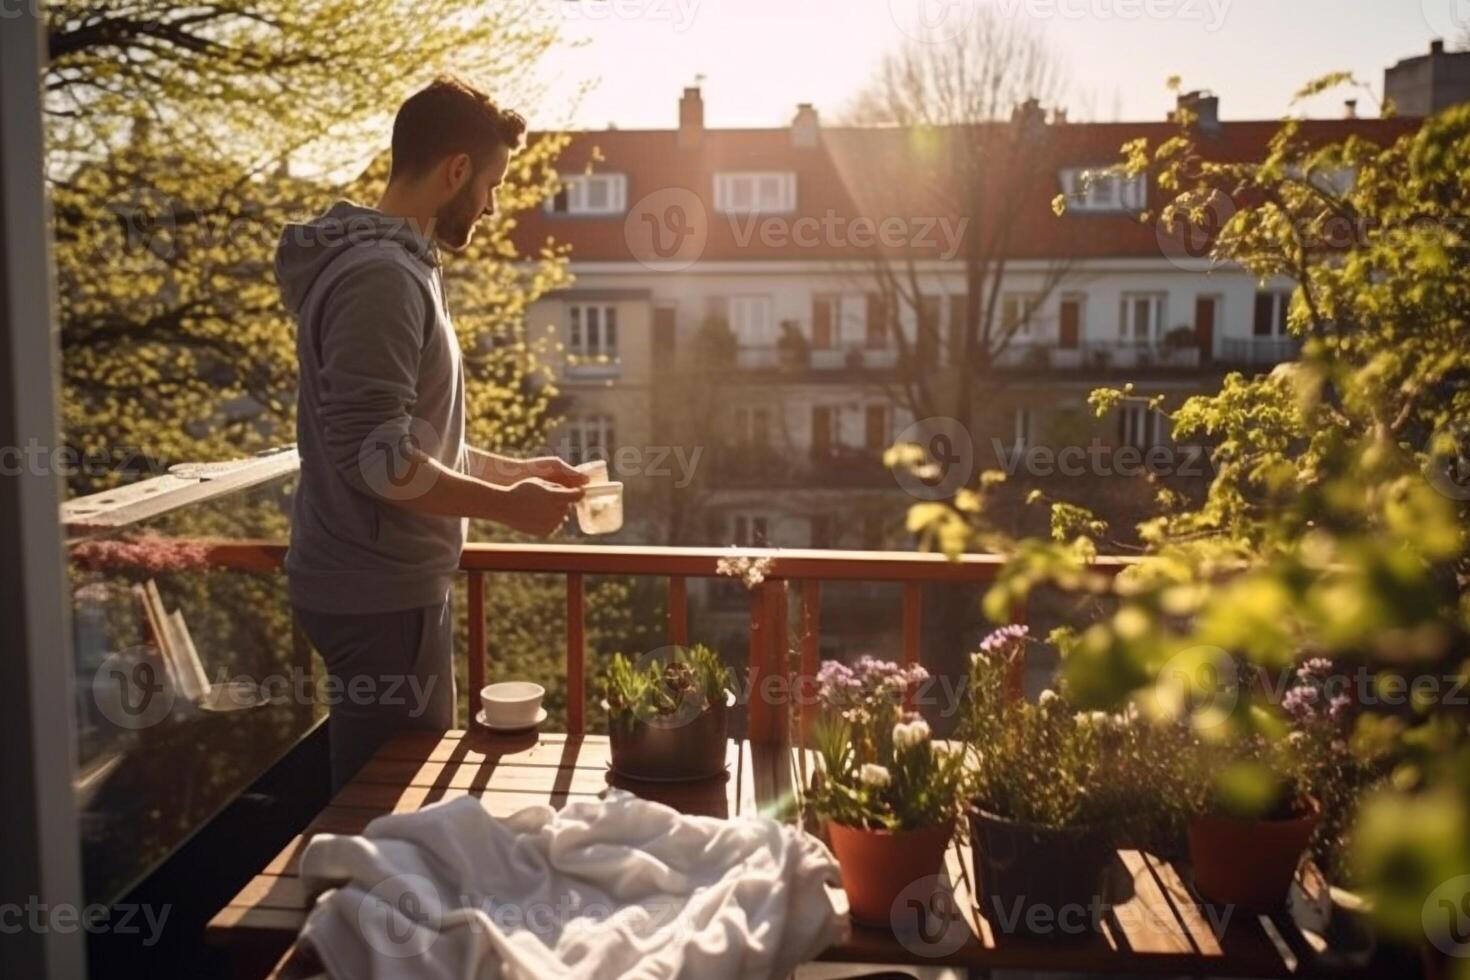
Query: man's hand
x,y
537,506
554,470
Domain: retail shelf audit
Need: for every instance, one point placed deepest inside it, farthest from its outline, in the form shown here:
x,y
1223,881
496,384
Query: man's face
x,y
454,222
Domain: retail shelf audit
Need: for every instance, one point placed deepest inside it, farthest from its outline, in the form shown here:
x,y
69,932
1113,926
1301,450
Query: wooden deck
x,y
1156,924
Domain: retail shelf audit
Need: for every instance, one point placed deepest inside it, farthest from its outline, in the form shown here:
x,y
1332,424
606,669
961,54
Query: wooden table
x,y
1155,926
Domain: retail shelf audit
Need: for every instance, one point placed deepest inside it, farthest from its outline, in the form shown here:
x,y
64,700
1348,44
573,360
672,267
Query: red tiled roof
x,y
887,173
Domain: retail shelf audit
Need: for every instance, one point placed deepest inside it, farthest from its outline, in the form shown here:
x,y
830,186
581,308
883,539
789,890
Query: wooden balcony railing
x,y
803,570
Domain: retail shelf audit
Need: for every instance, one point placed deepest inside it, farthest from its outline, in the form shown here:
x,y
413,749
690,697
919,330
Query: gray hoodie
x,y
380,374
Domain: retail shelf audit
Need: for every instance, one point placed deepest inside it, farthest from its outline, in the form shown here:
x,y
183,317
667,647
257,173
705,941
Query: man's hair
x,y
447,117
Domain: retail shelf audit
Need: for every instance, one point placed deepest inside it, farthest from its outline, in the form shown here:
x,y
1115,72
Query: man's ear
x,y
458,172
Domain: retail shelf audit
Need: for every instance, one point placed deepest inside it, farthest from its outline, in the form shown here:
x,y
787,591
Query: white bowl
x,y
512,704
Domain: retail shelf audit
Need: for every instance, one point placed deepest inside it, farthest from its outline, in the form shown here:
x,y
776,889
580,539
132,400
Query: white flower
x,y
1047,697
1092,719
874,775
909,734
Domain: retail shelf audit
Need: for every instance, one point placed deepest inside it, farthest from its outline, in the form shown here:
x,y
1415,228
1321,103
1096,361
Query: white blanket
x,y
620,887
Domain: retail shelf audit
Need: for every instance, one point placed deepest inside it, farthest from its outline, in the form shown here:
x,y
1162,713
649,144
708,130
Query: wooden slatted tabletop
x,y
1156,924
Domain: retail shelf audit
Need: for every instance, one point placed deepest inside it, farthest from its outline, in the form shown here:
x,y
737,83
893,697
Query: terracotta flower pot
x,y
679,748
1249,863
1044,881
877,865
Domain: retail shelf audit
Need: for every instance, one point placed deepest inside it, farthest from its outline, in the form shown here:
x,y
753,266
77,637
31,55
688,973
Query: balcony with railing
x,y
196,690
1259,351
815,362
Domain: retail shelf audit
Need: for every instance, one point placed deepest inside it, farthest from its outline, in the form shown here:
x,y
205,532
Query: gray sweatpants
x,y
388,672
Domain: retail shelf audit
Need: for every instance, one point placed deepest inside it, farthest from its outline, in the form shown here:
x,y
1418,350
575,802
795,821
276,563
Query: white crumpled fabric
x,y
620,887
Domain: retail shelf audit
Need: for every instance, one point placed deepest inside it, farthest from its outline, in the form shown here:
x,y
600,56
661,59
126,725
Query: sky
x,y
759,58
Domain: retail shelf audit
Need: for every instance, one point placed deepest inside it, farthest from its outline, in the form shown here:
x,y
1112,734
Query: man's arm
x,y
532,506
505,470
371,341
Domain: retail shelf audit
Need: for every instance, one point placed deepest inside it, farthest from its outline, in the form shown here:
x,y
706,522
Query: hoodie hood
x,y
307,248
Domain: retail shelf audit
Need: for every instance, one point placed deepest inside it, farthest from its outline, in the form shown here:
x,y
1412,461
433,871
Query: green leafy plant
x,y
880,768
1047,764
1334,522
695,676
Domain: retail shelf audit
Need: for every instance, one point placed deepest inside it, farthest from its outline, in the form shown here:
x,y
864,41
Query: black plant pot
x,y
682,747
1039,881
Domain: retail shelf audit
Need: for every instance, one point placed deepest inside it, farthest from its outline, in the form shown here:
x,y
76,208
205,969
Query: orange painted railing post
x,y
576,656
811,646
758,711
913,613
678,611
476,652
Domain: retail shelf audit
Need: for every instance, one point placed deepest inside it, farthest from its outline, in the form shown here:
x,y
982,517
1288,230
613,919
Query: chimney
x,y
1204,107
1059,117
691,118
806,129
1029,117
1436,46
1350,109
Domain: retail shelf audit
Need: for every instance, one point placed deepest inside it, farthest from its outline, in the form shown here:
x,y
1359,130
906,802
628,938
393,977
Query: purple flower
x,y
867,681
1005,638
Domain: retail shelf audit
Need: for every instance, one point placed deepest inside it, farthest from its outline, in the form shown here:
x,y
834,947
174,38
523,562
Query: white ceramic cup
x,y
511,704
600,511
596,471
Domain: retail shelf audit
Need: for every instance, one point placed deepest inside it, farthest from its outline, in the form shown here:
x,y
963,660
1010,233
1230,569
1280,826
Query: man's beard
x,y
455,221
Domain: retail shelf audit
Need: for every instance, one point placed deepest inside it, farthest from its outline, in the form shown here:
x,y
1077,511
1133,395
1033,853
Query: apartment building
x,y
828,264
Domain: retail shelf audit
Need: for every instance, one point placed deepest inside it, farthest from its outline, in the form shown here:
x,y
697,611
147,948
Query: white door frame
x,y
40,864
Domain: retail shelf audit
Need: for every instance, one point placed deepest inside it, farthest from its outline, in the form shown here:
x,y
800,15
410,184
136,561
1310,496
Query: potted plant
x,y
885,792
1250,836
792,347
1289,789
1044,803
668,722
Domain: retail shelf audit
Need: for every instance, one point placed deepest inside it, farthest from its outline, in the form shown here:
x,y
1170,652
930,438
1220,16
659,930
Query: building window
x,y
875,428
1140,317
752,427
824,322
1069,324
1139,427
593,331
589,437
750,321
755,193
958,310
824,430
821,531
1018,315
928,330
881,317
1272,308
590,194
1104,190
875,532
1021,428
749,530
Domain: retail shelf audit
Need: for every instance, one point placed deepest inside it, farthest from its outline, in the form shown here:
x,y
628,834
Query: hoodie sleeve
x,y
372,338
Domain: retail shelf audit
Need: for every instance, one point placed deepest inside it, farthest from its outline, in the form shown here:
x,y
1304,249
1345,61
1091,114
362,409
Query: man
x,y
387,483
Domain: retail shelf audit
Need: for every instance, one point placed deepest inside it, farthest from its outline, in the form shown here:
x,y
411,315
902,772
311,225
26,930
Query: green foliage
x,y
694,676
169,132
1046,764
1332,527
